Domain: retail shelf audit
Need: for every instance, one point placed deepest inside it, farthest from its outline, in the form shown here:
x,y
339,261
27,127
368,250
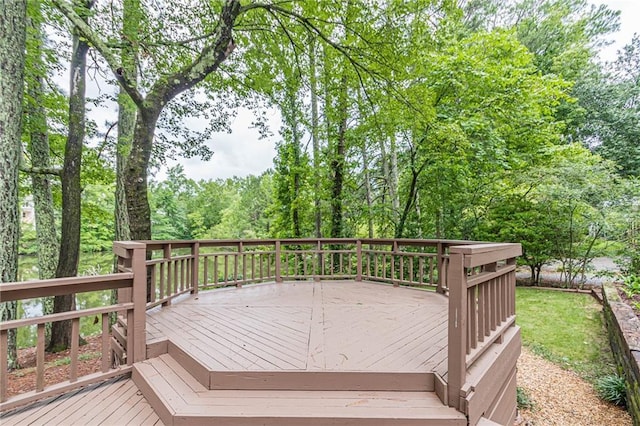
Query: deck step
x,y
179,399
321,380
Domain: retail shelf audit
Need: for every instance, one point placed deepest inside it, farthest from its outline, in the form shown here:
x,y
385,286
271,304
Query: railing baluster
x,y
226,269
253,267
215,269
106,348
411,269
4,366
152,295
39,359
75,337
176,276
205,271
162,280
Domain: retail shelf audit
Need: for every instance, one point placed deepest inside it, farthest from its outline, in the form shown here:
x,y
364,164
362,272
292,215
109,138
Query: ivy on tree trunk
x,y
12,59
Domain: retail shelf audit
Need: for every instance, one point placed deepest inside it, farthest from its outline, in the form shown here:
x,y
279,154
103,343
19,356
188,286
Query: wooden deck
x,y
305,352
114,402
309,326
331,347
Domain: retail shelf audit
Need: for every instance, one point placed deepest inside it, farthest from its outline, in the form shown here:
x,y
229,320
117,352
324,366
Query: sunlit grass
x,y
566,328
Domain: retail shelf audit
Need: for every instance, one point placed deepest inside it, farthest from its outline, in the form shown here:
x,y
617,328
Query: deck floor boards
x,y
305,326
293,326
114,402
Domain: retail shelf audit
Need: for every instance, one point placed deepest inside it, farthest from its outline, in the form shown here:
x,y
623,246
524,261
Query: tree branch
x,y
96,42
56,171
209,59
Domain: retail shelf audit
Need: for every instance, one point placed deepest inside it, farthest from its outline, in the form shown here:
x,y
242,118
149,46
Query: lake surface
x,y
90,264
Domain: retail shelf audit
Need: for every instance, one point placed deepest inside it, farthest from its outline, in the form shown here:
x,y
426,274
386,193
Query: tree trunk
x,y
135,177
338,164
313,82
393,177
367,187
12,47
71,191
131,16
409,203
37,129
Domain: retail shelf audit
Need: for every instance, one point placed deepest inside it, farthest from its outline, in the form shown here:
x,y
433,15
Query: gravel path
x,y
550,272
562,398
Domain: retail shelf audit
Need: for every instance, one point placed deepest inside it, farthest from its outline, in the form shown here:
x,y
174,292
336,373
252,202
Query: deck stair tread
x,y
179,398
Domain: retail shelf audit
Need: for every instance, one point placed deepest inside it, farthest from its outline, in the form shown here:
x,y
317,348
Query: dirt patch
x,y
56,366
560,397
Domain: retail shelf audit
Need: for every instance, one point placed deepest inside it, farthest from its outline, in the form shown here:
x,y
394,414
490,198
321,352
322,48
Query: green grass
x,y
565,328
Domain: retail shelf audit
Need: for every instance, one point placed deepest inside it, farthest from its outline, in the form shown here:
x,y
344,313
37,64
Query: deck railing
x,y
482,307
478,277
178,267
130,285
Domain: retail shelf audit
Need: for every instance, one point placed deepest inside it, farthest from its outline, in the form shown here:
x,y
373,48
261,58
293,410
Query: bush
x,y
631,285
524,400
612,389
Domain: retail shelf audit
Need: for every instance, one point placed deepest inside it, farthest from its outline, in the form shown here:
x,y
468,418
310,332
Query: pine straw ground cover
x,y
561,397
56,366
565,350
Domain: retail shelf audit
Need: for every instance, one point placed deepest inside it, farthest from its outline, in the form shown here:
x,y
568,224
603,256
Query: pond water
x,y
90,264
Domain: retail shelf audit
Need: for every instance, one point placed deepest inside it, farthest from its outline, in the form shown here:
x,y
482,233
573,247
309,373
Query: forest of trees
x,y
476,119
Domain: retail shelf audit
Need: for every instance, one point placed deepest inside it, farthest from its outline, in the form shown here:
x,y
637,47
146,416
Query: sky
x,y
243,153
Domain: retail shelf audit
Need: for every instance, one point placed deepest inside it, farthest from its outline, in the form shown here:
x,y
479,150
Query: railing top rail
x,y
61,286
158,244
483,254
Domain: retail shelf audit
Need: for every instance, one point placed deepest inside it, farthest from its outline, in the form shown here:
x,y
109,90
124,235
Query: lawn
x,y
566,328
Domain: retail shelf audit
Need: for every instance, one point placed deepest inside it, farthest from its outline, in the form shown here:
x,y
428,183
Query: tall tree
x,y
36,129
131,21
13,18
166,88
182,72
71,186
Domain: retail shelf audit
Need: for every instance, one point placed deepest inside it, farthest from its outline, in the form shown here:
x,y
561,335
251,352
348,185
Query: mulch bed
x,y
56,370
560,397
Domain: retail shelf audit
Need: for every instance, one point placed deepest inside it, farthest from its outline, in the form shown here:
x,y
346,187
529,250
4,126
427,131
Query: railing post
x,y
320,268
169,288
359,260
394,252
240,257
195,267
278,275
457,356
440,267
137,330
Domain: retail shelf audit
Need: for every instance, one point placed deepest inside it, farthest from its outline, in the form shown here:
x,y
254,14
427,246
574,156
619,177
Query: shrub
x,y
612,389
631,285
524,400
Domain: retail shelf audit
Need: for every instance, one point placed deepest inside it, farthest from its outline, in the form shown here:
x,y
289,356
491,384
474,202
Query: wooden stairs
x,y
182,391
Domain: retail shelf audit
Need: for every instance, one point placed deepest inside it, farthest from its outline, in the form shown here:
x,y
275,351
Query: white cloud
x,y
240,153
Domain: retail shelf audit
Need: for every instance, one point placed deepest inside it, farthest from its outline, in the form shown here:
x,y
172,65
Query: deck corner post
x,y
138,328
359,260
278,273
457,356
195,267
